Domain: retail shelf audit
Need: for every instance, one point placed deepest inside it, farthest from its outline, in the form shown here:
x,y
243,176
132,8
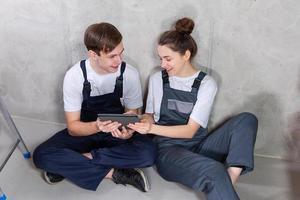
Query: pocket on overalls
x,y
180,106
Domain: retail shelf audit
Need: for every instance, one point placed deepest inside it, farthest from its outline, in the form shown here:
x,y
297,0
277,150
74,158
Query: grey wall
x,y
250,47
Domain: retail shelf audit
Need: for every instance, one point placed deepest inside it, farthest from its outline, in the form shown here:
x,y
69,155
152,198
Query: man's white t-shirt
x,y
205,96
101,84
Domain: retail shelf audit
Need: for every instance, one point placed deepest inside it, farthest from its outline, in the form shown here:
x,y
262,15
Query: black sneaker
x,y
134,177
52,178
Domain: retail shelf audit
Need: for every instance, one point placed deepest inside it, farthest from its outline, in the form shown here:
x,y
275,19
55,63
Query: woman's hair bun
x,y
185,25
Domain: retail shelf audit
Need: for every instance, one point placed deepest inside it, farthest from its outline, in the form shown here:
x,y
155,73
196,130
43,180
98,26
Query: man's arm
x,y
79,128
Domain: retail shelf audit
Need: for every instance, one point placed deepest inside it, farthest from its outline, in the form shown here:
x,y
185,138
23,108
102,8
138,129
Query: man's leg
x,y
138,152
125,159
62,154
195,171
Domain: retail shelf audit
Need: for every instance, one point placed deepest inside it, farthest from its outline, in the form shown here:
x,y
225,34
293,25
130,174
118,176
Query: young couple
x,y
179,103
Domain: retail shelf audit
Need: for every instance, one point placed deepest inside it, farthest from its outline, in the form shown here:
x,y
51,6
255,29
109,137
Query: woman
x,y
179,103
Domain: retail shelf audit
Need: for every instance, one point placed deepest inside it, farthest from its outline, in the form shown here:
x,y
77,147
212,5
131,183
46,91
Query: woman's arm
x,y
178,131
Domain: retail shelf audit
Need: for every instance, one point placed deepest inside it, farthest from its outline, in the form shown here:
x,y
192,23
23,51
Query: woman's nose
x,y
163,64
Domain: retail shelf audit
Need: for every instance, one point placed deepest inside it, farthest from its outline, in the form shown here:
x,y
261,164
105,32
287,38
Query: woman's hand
x,y
143,127
107,126
147,118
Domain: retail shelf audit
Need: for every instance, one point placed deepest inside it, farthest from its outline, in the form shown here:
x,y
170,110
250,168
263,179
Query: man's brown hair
x,y
102,37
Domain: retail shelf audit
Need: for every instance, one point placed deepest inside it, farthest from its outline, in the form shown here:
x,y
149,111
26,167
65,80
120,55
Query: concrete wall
x,y
250,47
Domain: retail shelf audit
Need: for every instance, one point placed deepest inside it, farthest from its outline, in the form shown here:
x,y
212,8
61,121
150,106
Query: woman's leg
x,y
195,171
233,144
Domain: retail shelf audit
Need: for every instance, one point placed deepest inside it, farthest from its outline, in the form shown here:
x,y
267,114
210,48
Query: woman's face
x,y
173,62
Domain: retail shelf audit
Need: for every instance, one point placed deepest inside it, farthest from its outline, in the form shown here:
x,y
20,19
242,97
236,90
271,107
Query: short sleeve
x,y
132,95
150,97
72,91
205,100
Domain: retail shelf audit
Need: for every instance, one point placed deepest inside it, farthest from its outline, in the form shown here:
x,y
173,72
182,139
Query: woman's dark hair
x,y
102,37
180,39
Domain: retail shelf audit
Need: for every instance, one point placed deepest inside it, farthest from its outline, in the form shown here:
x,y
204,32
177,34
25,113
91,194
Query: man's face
x,y
109,62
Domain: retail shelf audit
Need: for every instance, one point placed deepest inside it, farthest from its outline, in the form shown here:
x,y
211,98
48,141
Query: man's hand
x,y
123,133
107,126
130,112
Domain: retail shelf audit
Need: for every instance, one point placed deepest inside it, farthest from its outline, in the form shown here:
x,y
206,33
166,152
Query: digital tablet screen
x,y
124,119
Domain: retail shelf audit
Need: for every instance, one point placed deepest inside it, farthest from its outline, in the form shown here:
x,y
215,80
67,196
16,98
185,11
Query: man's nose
x,y
118,59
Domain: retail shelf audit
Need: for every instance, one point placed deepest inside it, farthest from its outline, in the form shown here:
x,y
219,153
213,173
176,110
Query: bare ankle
x,y
234,173
88,155
109,174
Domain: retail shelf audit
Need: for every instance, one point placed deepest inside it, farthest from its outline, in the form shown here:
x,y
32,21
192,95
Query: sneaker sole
x,y
145,179
46,178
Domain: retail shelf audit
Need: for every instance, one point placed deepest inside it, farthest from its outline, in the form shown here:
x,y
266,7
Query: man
x,y
89,149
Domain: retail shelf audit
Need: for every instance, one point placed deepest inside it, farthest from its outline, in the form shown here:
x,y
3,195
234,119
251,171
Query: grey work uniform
x,y
201,162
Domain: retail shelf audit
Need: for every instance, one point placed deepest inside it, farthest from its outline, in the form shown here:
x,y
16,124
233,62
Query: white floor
x,y
20,180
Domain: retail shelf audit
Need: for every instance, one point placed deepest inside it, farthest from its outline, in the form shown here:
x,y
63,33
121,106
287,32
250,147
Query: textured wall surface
x,y
250,47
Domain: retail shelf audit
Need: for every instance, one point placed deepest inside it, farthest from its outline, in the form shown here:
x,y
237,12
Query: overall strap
x,y
197,81
165,78
86,91
119,80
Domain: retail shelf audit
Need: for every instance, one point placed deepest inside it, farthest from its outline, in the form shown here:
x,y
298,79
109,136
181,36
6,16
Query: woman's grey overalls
x,y
201,162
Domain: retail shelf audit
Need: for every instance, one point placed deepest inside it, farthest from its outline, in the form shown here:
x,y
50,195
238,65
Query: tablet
x,y
124,119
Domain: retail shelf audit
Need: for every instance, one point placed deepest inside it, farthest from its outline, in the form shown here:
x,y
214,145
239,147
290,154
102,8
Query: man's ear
x,y
187,55
92,54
